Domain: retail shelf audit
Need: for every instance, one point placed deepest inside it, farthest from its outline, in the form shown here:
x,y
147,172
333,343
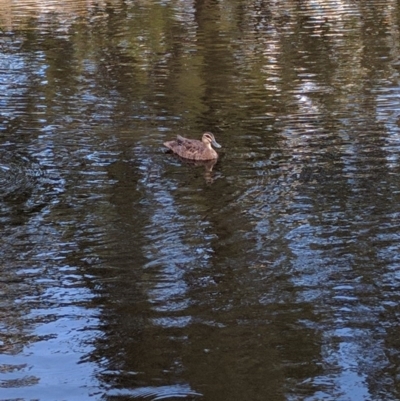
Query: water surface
x,y
127,273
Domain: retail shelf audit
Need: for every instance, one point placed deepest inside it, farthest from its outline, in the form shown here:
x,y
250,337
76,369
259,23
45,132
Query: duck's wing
x,y
189,148
180,139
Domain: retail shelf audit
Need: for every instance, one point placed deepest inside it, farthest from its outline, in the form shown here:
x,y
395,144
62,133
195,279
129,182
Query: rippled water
x,y
127,273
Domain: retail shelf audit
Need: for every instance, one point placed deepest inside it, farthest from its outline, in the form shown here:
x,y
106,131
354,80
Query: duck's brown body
x,y
193,149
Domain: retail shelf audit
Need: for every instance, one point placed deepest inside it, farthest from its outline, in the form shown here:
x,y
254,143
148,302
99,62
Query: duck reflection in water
x,y
196,153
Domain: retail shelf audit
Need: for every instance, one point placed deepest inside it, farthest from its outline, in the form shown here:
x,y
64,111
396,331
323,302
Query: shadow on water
x,y
25,188
127,273
207,165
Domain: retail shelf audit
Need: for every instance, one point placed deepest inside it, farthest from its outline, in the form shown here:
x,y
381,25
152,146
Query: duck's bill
x,y
215,144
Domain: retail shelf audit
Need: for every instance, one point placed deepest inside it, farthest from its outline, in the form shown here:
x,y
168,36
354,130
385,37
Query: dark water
x,y
129,274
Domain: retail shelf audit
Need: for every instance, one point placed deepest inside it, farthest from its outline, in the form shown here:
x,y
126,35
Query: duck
x,y
194,149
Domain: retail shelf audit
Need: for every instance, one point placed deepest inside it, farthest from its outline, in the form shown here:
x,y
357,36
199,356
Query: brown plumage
x,y
193,149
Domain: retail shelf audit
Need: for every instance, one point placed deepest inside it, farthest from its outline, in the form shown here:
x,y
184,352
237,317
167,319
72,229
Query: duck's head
x,y
208,139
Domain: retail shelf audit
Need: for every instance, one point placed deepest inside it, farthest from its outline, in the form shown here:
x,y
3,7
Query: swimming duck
x,y
193,149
